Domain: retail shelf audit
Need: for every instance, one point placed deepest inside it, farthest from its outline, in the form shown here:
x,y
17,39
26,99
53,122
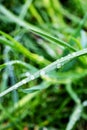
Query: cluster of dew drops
x,y
59,63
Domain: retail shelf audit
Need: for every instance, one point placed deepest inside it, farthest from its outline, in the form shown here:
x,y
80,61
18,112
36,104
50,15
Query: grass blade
x,y
34,29
39,87
20,48
57,64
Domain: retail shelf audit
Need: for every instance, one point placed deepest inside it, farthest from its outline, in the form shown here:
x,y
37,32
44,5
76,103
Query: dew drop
x,y
32,77
73,54
79,111
62,58
42,73
69,57
45,128
27,74
23,82
85,103
58,65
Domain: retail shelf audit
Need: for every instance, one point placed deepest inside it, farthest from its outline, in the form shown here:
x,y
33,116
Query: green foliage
x,y
43,65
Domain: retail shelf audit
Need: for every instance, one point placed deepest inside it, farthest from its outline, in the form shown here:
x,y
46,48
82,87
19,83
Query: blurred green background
x,y
61,100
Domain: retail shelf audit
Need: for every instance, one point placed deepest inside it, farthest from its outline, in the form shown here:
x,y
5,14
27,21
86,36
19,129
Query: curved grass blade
x,y
34,29
72,94
57,64
74,117
20,48
33,89
42,86
2,66
25,8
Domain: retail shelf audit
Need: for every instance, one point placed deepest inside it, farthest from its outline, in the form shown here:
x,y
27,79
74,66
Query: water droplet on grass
x,y
42,73
32,77
58,65
27,74
69,57
73,54
62,58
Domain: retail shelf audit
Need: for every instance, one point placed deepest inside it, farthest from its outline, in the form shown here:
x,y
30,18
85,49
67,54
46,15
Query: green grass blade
x,y
39,87
25,8
72,94
34,29
74,117
57,64
20,48
15,62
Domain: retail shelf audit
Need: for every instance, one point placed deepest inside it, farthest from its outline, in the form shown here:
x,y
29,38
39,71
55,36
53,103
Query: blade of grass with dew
x,y
72,40
34,29
57,64
74,117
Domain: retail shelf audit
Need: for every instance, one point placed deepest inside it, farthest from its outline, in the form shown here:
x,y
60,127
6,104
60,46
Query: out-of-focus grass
x,y
33,35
